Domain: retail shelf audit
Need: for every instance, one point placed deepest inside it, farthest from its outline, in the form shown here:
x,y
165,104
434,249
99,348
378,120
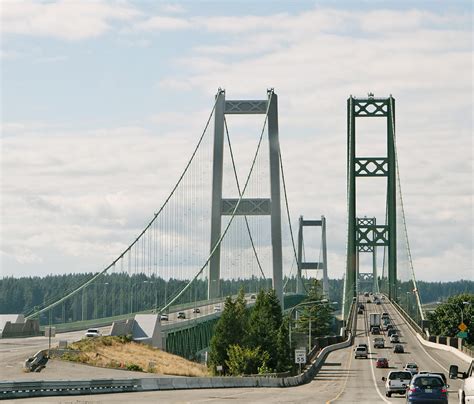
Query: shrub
x,y
134,367
244,360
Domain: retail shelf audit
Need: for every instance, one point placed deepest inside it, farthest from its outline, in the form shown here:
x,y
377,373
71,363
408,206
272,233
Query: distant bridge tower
x,y
366,278
360,234
254,206
312,265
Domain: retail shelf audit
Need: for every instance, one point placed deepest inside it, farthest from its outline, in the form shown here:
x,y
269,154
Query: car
x,y
364,346
164,317
391,331
253,297
360,352
375,331
181,315
413,368
379,342
361,306
396,382
196,310
366,294
360,311
394,338
217,308
378,302
369,301
381,363
442,375
427,388
385,315
93,332
466,391
398,349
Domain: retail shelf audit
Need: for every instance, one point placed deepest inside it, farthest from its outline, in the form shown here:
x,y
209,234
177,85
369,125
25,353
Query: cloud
x,y
161,23
66,19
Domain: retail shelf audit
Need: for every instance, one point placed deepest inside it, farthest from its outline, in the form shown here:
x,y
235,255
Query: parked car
x,y
427,388
164,317
375,331
396,382
93,332
379,342
398,349
381,363
196,310
181,314
413,369
394,338
360,352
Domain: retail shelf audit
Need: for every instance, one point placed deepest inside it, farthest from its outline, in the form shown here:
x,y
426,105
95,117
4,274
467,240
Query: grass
x,y
122,353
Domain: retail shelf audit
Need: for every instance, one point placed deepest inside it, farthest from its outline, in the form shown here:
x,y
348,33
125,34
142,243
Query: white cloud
x,y
65,19
162,23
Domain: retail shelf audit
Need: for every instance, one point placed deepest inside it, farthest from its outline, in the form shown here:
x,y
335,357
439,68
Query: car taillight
x,y
443,390
413,389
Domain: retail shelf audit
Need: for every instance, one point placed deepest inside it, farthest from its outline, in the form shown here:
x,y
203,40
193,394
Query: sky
x,y
102,102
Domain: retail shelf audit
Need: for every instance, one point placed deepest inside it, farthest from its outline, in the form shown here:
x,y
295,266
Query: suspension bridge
x,y
220,230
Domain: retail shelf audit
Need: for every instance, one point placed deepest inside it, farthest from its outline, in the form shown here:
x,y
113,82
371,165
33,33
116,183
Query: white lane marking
x,y
373,373
419,343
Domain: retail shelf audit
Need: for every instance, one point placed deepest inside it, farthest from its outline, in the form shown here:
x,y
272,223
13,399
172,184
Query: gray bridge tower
x,y
248,207
312,265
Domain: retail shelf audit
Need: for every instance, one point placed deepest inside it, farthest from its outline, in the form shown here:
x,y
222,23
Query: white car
x,y
394,338
164,317
412,368
360,352
217,308
397,382
93,332
466,392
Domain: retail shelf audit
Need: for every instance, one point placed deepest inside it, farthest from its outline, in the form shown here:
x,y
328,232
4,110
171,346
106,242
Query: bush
x,y
244,360
134,367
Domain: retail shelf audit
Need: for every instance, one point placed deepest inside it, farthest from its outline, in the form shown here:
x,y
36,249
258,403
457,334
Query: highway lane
x,y
342,379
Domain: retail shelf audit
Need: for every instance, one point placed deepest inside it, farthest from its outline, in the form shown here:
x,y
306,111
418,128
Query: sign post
x,y
300,357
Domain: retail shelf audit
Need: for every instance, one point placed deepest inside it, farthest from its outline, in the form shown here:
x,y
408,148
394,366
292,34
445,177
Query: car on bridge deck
x,y
93,332
398,349
375,331
164,317
413,369
360,352
396,382
391,331
427,388
196,310
381,363
394,338
181,315
379,342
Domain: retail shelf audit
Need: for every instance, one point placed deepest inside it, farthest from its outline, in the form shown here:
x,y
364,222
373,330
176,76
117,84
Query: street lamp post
x,y
316,302
462,312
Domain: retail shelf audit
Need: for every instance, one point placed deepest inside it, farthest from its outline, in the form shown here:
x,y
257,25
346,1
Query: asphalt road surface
x,y
342,379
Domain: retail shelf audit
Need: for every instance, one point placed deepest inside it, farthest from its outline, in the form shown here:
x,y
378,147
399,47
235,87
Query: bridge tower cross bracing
x,y
312,265
368,249
381,166
248,206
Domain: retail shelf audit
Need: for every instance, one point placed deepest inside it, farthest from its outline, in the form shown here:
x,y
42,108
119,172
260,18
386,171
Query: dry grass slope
x,y
119,352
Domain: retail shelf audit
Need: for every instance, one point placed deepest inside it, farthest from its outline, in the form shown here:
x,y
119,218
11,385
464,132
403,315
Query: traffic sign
x,y
300,356
462,327
461,334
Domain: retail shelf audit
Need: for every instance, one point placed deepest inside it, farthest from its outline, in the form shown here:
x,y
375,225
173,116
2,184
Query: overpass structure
x,y
247,223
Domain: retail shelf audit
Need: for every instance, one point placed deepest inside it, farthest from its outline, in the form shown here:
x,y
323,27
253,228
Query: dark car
x,y
442,375
381,363
196,310
360,311
182,315
378,302
375,331
361,306
427,388
391,331
398,349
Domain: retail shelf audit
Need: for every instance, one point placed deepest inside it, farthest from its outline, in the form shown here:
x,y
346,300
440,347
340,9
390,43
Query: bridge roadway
x,y
341,379
14,351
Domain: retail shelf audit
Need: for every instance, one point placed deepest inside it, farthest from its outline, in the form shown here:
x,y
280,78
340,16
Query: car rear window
x,y
399,375
428,381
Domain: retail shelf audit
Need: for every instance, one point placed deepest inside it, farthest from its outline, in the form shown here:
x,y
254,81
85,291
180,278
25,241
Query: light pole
x,y
462,313
290,314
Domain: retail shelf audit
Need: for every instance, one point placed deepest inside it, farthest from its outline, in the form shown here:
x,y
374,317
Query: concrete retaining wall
x,y
29,328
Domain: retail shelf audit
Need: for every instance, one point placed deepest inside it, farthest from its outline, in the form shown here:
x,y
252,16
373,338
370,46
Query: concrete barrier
x,y
461,355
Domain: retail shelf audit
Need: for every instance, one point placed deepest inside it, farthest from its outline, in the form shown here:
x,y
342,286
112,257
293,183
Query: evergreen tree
x,y
229,330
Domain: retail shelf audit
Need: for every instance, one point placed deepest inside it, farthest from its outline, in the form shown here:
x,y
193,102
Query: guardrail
x,y
21,389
